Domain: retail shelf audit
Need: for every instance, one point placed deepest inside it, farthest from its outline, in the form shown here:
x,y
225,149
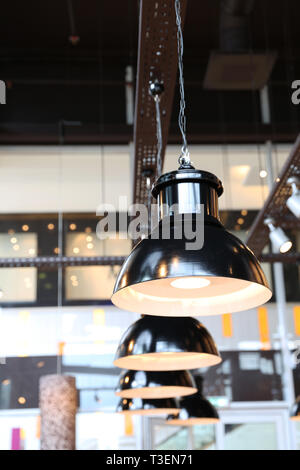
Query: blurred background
x,y
66,146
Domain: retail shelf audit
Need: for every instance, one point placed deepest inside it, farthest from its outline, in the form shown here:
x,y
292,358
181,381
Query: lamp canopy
x,y
162,277
163,343
148,407
155,384
195,409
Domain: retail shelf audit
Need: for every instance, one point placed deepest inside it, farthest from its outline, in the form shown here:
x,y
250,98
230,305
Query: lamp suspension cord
x,y
158,134
184,158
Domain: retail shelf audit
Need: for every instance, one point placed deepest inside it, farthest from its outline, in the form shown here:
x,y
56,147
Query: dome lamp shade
x,y
148,407
194,410
164,343
163,277
153,384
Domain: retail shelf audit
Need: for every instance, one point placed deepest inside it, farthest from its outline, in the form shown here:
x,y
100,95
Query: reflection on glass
x,y
18,284
90,282
250,436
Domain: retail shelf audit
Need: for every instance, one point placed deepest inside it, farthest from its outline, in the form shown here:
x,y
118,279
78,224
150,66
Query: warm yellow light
x,y
5,382
165,391
25,228
87,229
89,238
50,226
22,400
166,360
244,212
192,421
72,226
151,412
286,246
190,283
90,246
56,250
158,297
76,250
13,240
240,221
16,247
31,251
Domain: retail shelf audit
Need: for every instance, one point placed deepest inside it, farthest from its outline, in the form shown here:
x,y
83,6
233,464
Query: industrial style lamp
x,y
153,384
195,409
160,343
161,276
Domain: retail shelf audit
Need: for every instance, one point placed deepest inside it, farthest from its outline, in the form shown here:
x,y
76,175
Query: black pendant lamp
x,y
152,384
161,276
194,410
162,344
295,411
148,407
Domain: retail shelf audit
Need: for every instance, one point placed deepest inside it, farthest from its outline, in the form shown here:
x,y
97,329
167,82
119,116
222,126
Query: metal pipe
x,y
279,283
56,261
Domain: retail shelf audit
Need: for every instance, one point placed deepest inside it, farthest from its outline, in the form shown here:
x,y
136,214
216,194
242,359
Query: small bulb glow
x,y
286,246
190,283
263,173
25,228
72,226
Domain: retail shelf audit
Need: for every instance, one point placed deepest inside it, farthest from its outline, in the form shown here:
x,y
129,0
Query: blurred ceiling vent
x,y
236,66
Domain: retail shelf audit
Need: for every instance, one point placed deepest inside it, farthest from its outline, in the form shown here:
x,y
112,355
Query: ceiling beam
x,y
157,60
275,205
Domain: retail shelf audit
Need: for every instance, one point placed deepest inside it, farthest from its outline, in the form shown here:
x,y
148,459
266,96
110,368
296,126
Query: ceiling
x,y
49,80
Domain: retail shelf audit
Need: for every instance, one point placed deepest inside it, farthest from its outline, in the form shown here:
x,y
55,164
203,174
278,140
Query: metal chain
x,y
158,134
184,158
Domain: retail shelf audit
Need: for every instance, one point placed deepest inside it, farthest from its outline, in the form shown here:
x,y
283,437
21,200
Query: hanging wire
x,y
158,134
256,115
184,158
